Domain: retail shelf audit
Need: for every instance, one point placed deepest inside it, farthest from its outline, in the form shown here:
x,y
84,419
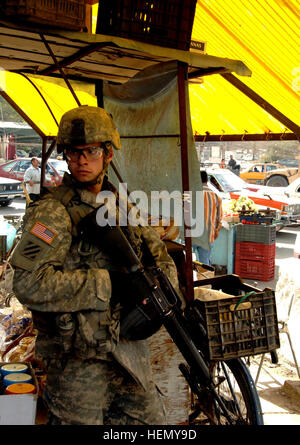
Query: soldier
x,y
74,289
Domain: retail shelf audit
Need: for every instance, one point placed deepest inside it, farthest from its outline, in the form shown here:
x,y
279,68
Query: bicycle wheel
x,y
237,392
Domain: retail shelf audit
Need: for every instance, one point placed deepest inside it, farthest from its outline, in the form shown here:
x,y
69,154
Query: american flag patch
x,y
43,232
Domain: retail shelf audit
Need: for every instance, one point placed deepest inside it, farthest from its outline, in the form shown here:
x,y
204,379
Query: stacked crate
x,y
255,251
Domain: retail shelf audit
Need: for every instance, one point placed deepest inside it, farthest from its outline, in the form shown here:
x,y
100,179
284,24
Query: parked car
x,y
256,173
16,168
291,191
281,177
230,186
288,162
9,190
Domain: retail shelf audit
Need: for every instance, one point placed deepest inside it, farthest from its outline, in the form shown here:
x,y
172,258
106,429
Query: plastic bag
x,y
23,351
14,320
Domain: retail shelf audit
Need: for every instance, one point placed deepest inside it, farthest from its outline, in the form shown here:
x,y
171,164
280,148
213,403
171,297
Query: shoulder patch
x,y
43,232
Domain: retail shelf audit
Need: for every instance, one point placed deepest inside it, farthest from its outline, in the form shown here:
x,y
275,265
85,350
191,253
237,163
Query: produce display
x,y
243,203
233,208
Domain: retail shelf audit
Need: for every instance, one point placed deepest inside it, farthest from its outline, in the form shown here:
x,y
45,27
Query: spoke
x,y
231,388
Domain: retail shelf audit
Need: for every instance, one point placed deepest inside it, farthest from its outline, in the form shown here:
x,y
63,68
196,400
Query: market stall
x,y
136,82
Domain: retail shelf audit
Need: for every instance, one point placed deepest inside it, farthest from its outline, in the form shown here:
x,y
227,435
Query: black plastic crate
x,y
260,233
243,325
164,23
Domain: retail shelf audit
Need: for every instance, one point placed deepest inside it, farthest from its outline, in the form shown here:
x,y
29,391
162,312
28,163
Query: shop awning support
x,y
182,79
262,103
60,69
45,156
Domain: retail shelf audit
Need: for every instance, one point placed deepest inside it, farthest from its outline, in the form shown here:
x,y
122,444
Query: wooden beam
x,y
74,58
45,156
262,103
182,79
246,137
60,69
206,72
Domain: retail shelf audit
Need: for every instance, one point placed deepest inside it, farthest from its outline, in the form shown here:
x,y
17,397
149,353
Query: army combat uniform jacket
x,y
68,287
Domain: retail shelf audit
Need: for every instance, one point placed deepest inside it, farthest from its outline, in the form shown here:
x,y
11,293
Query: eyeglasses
x,y
90,153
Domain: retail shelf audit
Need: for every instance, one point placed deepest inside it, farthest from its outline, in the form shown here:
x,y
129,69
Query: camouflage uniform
x,y
94,377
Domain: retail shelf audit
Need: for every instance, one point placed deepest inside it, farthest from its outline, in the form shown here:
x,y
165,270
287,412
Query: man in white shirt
x,y
32,178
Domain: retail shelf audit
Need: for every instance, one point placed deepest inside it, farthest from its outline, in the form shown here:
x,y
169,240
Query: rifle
x,y
155,295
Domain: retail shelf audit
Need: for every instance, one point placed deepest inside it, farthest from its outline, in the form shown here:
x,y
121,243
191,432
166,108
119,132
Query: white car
x,y
9,190
230,186
291,191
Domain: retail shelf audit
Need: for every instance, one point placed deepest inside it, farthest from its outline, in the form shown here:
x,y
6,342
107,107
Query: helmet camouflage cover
x,y
86,125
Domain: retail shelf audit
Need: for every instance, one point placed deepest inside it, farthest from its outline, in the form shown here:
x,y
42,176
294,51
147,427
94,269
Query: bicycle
x,y
237,400
236,389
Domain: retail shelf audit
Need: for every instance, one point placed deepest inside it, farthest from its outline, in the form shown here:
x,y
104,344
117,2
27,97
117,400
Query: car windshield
x,y
229,181
60,166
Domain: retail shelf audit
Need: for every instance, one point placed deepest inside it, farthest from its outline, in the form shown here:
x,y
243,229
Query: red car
x,y
16,168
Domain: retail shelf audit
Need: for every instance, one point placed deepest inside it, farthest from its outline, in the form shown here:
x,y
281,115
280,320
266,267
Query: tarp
x,y
147,115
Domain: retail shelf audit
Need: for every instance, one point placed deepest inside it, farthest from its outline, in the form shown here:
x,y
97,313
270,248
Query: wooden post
x,y
182,79
44,161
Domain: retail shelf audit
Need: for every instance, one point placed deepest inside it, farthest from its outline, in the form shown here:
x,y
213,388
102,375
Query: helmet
x,y
85,125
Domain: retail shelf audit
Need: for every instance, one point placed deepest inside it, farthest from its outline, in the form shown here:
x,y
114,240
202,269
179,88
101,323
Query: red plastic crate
x,y
262,270
254,251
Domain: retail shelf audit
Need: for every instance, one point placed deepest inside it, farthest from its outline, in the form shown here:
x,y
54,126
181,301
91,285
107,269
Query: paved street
x,y
17,207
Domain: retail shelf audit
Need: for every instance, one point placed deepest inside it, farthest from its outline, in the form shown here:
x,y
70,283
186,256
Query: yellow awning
x,y
265,35
244,36
88,58
44,100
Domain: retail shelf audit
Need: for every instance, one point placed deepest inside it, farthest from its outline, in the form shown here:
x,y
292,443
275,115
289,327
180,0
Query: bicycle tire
x,y
242,401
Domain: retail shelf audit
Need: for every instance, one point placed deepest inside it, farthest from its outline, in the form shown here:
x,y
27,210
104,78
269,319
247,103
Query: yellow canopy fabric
x,y
244,36
53,95
265,35
88,57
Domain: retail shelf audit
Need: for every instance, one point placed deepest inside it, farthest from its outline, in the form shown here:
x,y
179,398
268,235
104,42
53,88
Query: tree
x,y
8,114
281,150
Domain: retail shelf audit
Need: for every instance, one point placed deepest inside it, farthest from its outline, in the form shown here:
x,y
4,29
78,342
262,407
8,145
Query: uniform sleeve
x,y
40,280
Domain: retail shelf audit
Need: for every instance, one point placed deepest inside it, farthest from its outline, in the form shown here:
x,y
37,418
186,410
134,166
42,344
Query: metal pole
x,y
60,69
182,79
44,161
